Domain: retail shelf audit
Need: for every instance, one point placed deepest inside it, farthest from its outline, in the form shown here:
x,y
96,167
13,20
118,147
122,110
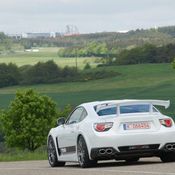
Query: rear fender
x,y
87,142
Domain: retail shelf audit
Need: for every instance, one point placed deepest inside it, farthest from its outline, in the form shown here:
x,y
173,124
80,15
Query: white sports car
x,y
117,129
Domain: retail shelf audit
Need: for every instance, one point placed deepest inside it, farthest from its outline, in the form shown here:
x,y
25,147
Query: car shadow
x,y
118,163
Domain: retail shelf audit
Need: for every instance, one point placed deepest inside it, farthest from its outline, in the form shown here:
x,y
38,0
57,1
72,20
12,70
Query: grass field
x,y
146,81
22,58
23,155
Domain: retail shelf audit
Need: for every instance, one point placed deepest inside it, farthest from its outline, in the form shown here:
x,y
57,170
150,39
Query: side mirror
x,y
60,121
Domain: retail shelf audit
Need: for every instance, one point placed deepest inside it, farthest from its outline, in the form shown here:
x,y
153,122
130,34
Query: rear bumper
x,y
116,140
107,153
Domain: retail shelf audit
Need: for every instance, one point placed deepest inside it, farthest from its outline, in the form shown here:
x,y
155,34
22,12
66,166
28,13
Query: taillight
x,y
101,127
166,122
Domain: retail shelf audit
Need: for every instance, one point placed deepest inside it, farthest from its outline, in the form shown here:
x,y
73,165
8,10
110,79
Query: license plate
x,y
136,125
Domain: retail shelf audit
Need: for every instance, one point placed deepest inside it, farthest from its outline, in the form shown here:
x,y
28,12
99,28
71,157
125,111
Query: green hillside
x,y
21,58
145,81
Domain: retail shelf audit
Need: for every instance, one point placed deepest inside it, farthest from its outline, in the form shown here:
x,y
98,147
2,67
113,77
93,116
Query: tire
x,y
82,153
168,157
130,160
52,155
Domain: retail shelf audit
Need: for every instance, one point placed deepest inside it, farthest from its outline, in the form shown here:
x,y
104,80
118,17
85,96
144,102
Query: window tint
x,y
107,111
83,115
75,116
135,108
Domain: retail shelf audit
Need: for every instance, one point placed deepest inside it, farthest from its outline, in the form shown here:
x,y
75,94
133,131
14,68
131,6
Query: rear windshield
x,y
125,109
107,111
140,108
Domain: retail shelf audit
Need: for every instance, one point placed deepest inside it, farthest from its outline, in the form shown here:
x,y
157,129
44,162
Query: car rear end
x,y
128,134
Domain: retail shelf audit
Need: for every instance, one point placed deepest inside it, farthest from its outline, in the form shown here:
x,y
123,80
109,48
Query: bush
x,y
9,75
87,66
147,54
47,73
27,121
41,73
173,64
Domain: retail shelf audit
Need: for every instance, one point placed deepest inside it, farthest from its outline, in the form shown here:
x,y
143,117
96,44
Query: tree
x,y
1,126
42,72
9,75
69,72
173,64
87,66
27,44
65,112
27,121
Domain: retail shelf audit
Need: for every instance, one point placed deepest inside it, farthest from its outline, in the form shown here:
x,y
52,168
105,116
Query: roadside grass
x,y
144,81
23,155
21,58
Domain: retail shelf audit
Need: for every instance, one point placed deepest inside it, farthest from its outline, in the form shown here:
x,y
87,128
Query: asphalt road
x,y
148,166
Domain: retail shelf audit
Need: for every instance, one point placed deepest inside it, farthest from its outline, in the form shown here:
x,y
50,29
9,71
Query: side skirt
x,y
67,154
68,150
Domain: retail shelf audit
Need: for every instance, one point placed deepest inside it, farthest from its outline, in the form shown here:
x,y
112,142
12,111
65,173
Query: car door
x,y
68,138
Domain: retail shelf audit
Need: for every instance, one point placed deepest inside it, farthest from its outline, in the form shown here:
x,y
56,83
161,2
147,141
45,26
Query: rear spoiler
x,y
165,103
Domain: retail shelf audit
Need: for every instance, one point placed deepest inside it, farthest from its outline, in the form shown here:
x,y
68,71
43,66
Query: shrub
x,y
27,121
173,64
87,66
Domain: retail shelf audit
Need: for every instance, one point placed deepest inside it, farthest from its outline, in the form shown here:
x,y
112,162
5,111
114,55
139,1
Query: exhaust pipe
x,y
102,151
109,151
170,147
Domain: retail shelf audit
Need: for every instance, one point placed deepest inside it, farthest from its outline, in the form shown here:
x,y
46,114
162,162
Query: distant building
x,y
24,35
15,36
34,35
38,35
58,34
123,31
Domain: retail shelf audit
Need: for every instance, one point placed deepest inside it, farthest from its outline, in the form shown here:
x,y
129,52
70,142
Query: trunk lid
x,y
137,123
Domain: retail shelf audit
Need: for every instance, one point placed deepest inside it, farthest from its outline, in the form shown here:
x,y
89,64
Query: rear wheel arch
x,y
82,153
78,137
86,141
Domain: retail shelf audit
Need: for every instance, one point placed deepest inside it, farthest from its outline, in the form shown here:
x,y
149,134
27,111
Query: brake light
x,y
166,122
101,127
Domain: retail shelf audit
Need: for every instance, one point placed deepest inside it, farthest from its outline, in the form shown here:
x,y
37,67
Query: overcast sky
x,y
18,16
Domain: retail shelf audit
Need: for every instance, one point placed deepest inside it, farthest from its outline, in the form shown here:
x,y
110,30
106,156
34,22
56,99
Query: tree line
x,y
91,49
131,38
160,36
46,73
144,54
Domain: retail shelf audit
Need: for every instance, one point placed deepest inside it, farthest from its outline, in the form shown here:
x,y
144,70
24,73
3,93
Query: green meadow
x,y
144,81
21,58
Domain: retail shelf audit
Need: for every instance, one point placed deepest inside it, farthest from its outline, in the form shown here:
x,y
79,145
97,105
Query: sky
x,y
90,16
